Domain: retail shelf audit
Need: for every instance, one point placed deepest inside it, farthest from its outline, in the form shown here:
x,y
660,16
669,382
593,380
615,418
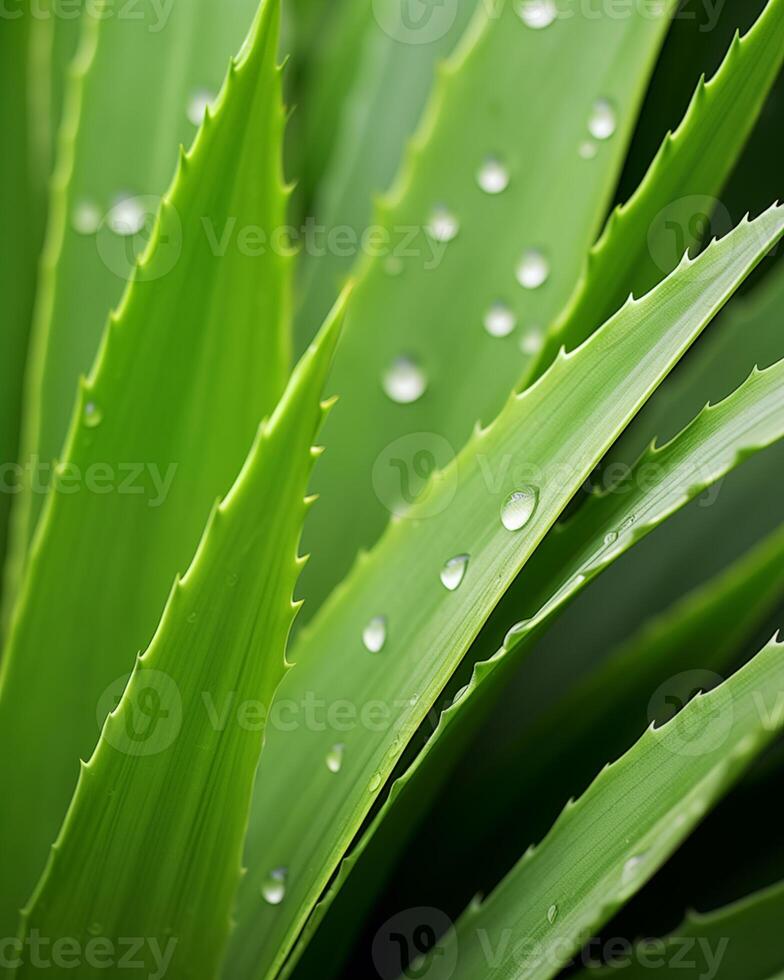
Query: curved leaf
x,y
605,846
138,836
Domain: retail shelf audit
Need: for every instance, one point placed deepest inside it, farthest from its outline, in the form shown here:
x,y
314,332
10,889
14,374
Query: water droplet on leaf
x,y
533,270
86,218
632,868
493,177
274,888
404,381
519,508
500,321
335,757
126,217
588,149
603,121
198,104
453,572
536,13
374,635
443,225
92,415
552,914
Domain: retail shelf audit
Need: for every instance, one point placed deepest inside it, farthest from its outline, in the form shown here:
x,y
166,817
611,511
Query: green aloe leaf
x,y
21,204
409,330
159,431
380,112
568,560
738,942
605,846
680,651
131,100
747,333
124,859
394,634
675,204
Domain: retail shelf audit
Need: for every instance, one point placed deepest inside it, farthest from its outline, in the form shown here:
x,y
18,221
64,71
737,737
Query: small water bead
x,y
443,226
632,868
375,782
374,635
536,13
611,538
532,341
86,218
198,104
393,265
603,121
533,270
274,888
335,757
95,929
499,320
127,217
588,149
453,572
552,914
519,508
404,381
493,177
92,415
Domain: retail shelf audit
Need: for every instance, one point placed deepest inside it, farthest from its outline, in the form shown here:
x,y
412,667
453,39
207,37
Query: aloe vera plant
x,y
414,332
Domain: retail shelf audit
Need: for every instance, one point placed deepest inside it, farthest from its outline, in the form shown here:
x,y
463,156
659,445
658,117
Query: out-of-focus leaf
x,y
130,103
152,843
187,368
393,634
605,846
410,331
21,204
380,111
